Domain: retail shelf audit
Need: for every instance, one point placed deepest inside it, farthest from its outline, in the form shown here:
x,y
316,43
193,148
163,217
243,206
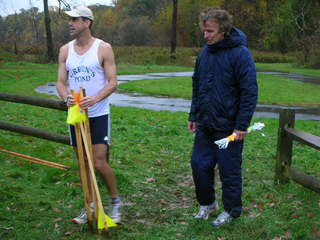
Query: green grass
x,y
173,87
287,67
122,68
272,89
138,69
150,155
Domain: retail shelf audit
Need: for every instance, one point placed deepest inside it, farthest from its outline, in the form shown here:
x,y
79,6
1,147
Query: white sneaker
x,y
222,219
83,218
115,212
206,210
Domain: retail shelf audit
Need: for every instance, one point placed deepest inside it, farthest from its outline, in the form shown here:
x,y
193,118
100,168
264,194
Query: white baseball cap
x,y
80,11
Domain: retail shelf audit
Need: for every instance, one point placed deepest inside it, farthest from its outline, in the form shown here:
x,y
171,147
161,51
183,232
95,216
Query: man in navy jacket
x,y
224,98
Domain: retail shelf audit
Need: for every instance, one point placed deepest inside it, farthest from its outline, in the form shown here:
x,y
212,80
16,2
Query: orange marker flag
x,y
75,113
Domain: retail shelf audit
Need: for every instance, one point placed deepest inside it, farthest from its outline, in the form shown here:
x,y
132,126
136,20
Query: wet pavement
x,y
127,78
164,103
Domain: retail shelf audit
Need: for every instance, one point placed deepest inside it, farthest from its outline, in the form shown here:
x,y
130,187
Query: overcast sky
x,y
10,6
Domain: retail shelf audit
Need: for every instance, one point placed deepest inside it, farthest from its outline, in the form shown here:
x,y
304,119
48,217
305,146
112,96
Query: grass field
x,y
150,154
288,67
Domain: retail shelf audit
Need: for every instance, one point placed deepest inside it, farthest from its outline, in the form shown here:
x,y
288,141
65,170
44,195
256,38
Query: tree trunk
x,y
15,48
174,28
50,54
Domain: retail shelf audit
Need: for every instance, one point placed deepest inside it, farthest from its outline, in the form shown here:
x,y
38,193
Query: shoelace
x,y
203,211
223,216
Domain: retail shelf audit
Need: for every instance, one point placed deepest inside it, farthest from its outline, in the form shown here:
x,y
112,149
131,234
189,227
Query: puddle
x,y
162,103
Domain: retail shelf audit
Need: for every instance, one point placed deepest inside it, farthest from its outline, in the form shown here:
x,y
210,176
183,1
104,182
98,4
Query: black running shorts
x,y
99,129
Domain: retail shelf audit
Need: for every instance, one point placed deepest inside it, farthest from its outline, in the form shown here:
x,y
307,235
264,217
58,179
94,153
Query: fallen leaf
x,y
56,227
73,184
310,215
69,232
149,180
56,210
271,204
127,204
7,228
254,215
287,235
315,233
290,196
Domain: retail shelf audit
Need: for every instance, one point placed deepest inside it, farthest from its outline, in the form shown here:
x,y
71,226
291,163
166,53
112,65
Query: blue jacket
x,y
225,89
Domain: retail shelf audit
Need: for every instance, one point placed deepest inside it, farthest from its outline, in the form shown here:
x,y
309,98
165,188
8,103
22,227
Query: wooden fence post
x,y
284,147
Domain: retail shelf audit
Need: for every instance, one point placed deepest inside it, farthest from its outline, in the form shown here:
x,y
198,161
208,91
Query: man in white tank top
x,y
89,63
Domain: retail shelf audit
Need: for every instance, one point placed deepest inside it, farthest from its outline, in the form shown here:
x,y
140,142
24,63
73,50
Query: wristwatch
x,y
65,100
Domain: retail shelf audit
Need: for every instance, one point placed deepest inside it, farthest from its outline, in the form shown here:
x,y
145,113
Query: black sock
x,y
115,200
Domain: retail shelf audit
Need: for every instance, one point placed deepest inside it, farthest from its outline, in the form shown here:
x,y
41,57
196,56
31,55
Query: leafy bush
x,y
7,56
155,55
312,61
148,55
272,57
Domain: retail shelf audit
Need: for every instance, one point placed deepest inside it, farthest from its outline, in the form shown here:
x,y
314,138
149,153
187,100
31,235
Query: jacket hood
x,y
235,39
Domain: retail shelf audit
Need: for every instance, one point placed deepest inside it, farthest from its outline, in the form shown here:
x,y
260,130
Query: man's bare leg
x,y
100,163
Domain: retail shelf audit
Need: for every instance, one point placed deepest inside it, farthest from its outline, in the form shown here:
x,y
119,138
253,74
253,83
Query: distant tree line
x,y
272,25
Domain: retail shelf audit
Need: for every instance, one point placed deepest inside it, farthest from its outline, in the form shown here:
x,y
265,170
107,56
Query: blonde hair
x,y
221,16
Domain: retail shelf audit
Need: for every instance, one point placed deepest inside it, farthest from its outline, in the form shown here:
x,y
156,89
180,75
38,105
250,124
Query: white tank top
x,y
85,71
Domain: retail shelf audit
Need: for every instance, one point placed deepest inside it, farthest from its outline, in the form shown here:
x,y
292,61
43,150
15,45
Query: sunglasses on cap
x,y
75,18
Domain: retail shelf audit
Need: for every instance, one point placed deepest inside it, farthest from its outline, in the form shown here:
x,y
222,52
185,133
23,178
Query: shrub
x,y
155,55
313,60
272,57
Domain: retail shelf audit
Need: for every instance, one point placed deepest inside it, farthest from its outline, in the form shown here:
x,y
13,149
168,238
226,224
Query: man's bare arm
x,y
63,77
62,73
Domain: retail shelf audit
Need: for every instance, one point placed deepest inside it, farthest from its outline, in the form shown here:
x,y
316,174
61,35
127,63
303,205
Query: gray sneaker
x,y
206,210
222,219
115,212
82,218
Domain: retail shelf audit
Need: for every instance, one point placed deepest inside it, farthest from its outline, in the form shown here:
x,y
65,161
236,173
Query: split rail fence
x,y
286,135
34,132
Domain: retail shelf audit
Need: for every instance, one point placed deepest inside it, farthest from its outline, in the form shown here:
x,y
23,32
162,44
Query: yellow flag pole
x,y
83,175
103,220
87,136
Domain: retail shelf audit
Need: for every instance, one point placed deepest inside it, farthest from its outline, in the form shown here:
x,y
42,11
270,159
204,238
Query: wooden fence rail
x,y
34,132
286,135
35,101
40,102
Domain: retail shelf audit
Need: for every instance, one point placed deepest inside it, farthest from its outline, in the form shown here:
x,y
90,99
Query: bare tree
x,y
34,13
174,28
15,48
50,52
305,42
